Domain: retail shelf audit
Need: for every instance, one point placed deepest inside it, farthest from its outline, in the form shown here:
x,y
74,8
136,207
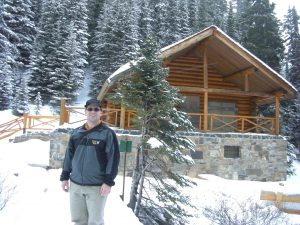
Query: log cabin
x,y
222,82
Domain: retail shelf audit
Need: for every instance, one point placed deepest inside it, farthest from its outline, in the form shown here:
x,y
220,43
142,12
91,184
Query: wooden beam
x,y
182,45
64,116
247,82
205,67
25,117
223,91
205,122
265,70
122,117
249,70
272,196
277,115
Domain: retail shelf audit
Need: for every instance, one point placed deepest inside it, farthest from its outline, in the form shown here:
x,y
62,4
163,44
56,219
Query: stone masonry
x,y
258,157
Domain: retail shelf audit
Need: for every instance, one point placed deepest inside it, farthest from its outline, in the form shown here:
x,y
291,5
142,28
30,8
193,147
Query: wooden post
x,y
25,116
205,110
205,69
247,82
64,116
122,119
277,115
278,201
205,83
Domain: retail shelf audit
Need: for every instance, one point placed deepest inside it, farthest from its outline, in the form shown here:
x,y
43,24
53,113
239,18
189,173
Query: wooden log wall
x,y
188,71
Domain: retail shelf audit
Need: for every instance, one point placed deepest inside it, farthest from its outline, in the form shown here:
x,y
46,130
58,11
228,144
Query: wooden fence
x,y
280,200
28,122
119,117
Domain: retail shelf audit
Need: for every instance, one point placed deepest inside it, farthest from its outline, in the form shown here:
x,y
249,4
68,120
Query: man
x,y
91,163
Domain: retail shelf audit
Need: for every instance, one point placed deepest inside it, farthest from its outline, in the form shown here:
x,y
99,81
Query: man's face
x,y
93,113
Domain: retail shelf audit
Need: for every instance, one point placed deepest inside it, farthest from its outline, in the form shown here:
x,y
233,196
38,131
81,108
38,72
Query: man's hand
x,y
65,185
105,190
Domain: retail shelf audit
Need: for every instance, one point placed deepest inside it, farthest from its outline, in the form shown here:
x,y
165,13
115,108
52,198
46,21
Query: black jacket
x,y
92,156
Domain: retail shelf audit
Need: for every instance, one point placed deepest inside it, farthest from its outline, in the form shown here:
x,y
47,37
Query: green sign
x,y
125,146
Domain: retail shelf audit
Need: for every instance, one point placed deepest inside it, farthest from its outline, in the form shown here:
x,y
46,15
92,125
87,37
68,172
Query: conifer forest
x,y
48,47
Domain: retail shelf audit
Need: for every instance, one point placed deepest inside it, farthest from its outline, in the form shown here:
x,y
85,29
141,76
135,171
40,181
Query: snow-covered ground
x,y
38,198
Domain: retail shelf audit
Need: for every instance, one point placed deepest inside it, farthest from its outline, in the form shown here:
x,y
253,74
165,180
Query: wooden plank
x,y
219,91
122,119
180,46
276,114
266,71
247,82
240,73
205,111
272,196
205,67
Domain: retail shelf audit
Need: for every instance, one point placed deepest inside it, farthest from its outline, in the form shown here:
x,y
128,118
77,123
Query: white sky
x,y
281,6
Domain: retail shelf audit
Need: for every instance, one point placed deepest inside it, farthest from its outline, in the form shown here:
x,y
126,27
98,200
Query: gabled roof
x,y
227,57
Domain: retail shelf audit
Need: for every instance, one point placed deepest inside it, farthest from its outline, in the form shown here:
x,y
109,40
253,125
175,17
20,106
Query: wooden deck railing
x,y
234,123
215,122
124,119
289,203
28,122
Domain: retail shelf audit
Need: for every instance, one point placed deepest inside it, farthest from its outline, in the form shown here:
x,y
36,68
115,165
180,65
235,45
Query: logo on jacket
x,y
95,142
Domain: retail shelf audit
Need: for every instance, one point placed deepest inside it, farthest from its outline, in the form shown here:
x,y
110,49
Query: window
x,y
192,105
196,154
232,152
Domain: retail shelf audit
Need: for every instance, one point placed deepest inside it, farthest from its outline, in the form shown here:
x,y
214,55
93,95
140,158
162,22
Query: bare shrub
x,y
5,193
229,211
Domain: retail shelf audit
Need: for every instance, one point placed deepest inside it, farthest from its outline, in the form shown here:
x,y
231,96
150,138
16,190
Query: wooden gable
x,y
231,69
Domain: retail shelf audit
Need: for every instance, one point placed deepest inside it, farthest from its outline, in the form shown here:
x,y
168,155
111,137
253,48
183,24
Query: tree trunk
x,y
135,181
141,185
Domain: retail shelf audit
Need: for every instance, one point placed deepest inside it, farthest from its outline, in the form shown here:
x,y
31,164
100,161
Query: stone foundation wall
x,y
260,157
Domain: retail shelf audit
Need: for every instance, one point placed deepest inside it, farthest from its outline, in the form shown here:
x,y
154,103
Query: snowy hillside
x,y
38,198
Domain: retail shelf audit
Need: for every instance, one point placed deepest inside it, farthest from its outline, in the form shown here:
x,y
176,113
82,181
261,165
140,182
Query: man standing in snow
x,y
91,163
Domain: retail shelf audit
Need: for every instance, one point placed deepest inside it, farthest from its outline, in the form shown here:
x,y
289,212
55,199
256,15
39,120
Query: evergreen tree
x,y
240,7
37,11
38,104
145,20
230,25
160,22
193,15
184,28
20,101
60,52
154,100
291,109
70,54
130,42
110,46
20,18
173,22
261,36
94,11
292,41
204,16
8,53
43,52
218,12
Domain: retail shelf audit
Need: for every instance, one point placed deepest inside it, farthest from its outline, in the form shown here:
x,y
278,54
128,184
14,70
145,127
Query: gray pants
x,y
87,205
